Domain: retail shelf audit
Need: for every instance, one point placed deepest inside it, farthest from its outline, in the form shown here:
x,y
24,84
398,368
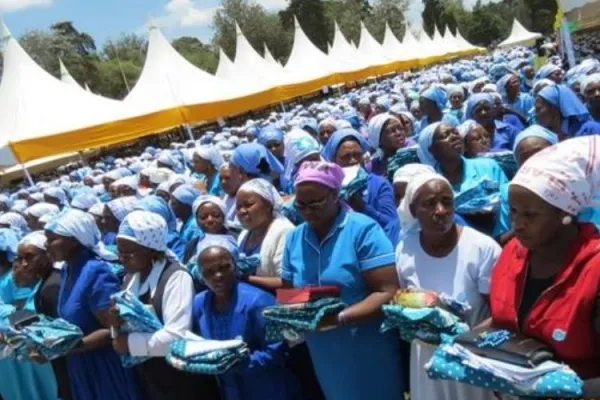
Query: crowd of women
x,y
206,231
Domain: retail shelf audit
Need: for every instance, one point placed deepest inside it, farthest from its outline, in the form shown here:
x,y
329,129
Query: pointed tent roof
x,y
87,88
269,57
169,81
66,76
371,48
345,53
225,69
520,36
391,44
36,104
306,61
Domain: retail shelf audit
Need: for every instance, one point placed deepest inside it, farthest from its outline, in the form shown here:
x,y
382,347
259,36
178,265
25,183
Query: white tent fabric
x,y
269,57
520,36
410,45
391,45
225,69
66,77
169,81
345,54
36,104
371,48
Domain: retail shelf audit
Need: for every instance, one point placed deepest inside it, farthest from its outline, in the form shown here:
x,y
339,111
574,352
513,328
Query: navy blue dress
x,y
85,289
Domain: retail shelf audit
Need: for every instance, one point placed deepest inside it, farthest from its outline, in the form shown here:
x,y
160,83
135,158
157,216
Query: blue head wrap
x,y
84,200
186,194
567,102
337,138
226,242
501,86
311,123
546,71
535,131
255,159
270,133
425,141
9,243
354,119
476,99
438,95
159,206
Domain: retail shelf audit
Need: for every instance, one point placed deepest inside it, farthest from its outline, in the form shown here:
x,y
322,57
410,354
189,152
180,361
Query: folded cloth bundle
x,y
451,361
291,321
248,264
137,318
482,197
426,324
406,155
207,357
355,182
507,162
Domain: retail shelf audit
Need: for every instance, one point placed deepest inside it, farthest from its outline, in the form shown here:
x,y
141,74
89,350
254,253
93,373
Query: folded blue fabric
x,y
406,155
211,363
248,264
357,186
507,162
481,197
427,323
453,362
137,318
290,321
52,338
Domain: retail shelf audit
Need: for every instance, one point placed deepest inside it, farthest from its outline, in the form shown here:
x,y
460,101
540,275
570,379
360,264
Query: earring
x,y
567,219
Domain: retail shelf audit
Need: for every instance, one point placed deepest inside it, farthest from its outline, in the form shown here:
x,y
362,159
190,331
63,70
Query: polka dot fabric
x,y
212,363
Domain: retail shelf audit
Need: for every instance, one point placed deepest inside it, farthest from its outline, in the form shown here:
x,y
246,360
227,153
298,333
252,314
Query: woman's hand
x,y
121,344
328,322
114,317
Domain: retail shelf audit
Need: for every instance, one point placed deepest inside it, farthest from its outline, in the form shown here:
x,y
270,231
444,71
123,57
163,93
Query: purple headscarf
x,y
324,173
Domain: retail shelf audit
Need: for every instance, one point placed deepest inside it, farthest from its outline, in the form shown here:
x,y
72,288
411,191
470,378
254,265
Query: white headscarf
x,y
408,222
209,199
37,239
375,129
81,226
265,190
16,222
39,209
122,206
97,209
407,172
566,175
211,154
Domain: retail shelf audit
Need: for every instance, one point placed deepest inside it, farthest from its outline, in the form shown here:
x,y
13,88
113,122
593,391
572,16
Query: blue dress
x,y
175,245
24,380
265,375
523,103
189,230
379,205
85,289
587,128
352,362
213,186
504,137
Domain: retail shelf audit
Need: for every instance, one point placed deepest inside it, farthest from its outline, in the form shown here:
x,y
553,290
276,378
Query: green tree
x,y
542,14
82,41
431,14
196,52
121,59
311,16
488,23
348,14
390,11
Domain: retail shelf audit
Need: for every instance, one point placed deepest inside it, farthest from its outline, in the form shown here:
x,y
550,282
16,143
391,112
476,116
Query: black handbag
x,y
517,350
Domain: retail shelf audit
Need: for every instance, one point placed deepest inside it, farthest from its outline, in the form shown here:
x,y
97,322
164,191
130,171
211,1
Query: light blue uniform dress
x,y
24,380
352,362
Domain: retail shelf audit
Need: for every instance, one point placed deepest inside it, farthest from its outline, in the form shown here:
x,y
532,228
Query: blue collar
x,y
339,222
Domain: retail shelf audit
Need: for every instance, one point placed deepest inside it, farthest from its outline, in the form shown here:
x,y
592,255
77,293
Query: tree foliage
x,y
390,12
312,19
201,55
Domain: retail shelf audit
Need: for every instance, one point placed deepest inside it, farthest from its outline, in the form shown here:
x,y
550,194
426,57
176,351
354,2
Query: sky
x,y
105,19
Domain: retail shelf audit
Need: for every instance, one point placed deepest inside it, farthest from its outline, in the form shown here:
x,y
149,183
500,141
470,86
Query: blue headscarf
x,y
535,131
255,159
438,95
546,71
310,123
159,206
270,133
476,99
186,194
226,242
425,141
337,138
84,200
9,242
501,86
568,103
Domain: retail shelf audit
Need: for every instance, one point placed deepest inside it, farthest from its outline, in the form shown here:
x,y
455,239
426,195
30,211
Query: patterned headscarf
x,y
15,221
56,193
39,209
159,206
122,206
186,194
222,241
84,201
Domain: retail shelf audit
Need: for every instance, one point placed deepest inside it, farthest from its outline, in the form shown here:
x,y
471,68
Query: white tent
x,y
520,36
225,69
35,104
371,48
269,57
66,77
391,45
410,46
344,54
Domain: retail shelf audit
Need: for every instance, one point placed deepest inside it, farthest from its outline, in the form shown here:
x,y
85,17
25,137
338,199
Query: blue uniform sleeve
x,y
497,174
103,284
381,208
287,273
374,249
503,216
176,246
197,313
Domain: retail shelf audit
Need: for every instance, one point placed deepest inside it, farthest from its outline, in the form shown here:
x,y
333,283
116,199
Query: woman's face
x,y
30,265
230,180
428,107
218,270
107,182
529,72
433,207
513,86
483,113
210,218
33,222
556,76
109,221
325,132
447,143
528,147
349,153
592,95
477,141
393,136
145,181
99,223
534,221
317,204
399,191
456,100
201,166
416,112
88,181
134,257
61,248
407,123
252,210
276,147
546,114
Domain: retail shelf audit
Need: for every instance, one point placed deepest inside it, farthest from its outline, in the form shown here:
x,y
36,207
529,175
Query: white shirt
x,y
176,309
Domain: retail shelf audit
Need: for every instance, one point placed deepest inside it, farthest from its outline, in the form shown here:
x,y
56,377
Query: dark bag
x,y
518,350
22,318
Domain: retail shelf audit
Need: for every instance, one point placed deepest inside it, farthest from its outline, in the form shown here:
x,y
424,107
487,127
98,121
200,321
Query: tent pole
x,y
27,175
81,158
188,130
282,106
